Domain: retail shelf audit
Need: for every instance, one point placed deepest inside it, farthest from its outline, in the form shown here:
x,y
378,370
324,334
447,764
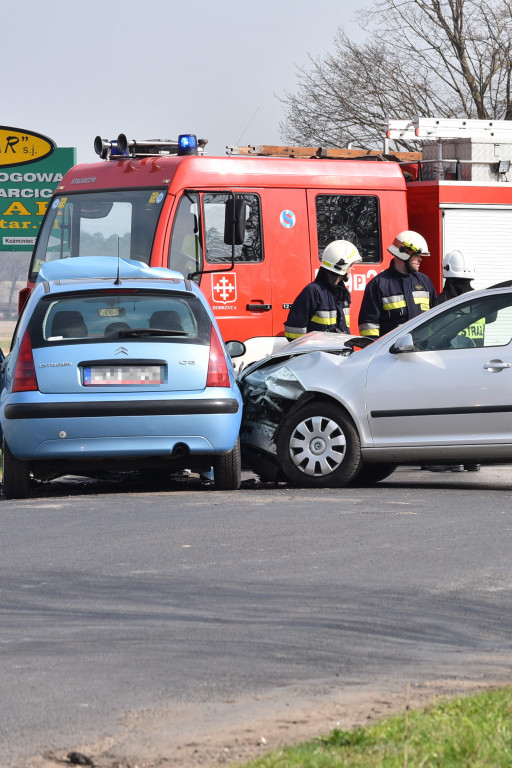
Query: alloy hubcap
x,y
317,446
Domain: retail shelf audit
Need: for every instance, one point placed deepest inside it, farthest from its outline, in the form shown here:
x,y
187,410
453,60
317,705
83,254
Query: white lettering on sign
x,y
18,177
224,287
358,282
26,192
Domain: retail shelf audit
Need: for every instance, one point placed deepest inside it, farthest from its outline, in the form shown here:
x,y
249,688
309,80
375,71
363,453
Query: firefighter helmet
x,y
456,264
407,244
339,255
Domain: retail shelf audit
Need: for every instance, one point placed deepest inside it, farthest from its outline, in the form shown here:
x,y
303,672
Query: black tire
x,y
373,473
16,475
318,447
227,470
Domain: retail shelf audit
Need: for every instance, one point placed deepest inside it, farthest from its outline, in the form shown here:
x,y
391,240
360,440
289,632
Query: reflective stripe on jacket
x,y
391,298
319,307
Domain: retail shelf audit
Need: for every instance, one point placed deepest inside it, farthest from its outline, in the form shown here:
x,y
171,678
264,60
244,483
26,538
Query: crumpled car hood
x,y
289,379
337,343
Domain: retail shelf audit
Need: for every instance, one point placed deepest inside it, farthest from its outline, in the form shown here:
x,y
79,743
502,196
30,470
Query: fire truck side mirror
x,y
22,297
234,221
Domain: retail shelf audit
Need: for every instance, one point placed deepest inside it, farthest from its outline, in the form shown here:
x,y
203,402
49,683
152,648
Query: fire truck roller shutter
x,y
484,233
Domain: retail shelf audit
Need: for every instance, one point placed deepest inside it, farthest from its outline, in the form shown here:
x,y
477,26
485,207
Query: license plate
x,y
123,375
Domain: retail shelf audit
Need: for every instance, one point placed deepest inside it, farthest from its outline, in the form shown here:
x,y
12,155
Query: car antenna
x,y
117,281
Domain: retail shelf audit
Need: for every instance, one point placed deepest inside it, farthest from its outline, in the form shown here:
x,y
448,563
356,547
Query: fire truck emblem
x,y
287,219
224,288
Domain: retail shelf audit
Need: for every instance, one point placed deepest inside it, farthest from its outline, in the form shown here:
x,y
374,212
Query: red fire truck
x,y
459,195
249,226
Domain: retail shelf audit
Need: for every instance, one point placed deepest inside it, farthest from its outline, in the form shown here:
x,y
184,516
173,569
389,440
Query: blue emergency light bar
x,y
187,144
116,149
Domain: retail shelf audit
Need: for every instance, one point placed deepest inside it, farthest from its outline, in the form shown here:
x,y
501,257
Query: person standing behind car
x,y
459,272
324,304
400,292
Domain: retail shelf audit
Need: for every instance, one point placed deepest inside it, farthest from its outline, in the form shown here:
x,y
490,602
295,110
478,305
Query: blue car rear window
x,y
96,316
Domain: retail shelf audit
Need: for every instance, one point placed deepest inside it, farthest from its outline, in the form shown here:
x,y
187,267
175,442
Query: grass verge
x,y
468,732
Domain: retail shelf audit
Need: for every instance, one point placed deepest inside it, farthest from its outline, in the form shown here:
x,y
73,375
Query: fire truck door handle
x,y
259,307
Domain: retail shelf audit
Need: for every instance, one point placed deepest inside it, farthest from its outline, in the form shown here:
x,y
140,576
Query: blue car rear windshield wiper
x,y
137,332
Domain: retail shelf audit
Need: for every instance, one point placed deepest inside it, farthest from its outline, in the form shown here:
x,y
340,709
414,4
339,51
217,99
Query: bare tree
x,y
13,276
431,58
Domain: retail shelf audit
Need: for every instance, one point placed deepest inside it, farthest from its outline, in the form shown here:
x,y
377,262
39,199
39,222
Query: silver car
x,y
324,412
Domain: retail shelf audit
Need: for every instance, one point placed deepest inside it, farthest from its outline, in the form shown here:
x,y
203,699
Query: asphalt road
x,y
115,599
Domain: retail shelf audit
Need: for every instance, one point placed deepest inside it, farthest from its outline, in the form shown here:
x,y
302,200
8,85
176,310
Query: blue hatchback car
x,y
124,369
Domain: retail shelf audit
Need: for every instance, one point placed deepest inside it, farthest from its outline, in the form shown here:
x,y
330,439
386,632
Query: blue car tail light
x,y
25,378
218,374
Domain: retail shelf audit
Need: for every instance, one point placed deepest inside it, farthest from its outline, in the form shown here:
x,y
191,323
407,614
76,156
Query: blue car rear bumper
x,y
74,430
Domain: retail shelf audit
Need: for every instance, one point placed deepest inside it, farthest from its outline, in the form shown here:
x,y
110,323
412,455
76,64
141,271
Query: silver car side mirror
x,y
403,344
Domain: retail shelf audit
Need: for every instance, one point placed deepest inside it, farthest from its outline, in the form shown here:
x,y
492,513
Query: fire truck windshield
x,y
99,224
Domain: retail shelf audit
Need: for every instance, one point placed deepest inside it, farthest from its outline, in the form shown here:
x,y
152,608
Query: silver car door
x,y
455,386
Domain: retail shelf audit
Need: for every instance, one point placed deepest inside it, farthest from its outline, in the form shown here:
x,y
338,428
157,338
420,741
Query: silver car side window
x,y
485,321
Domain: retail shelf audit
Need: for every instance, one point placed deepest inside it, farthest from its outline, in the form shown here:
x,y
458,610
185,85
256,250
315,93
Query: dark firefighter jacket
x,y
320,306
453,286
456,286
391,298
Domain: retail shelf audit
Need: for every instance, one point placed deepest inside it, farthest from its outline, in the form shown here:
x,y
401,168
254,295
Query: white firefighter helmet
x,y
456,264
339,255
407,244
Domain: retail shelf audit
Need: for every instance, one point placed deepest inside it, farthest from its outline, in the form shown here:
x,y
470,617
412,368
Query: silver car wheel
x,y
317,446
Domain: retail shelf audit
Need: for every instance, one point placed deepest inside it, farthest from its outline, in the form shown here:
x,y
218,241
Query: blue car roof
x,y
90,267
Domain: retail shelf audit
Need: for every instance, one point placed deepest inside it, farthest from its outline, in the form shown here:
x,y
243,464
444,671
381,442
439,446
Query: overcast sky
x,y
74,69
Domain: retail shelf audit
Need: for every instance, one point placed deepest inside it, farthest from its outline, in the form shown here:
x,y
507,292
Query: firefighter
x,y
324,304
459,272
400,292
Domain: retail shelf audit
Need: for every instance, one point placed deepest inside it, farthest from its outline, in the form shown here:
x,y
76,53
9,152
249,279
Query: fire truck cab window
x,y
110,223
186,253
350,217
219,252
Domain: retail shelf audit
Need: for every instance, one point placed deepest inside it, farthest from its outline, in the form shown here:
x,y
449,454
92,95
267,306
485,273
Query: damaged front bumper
x,y
273,388
268,395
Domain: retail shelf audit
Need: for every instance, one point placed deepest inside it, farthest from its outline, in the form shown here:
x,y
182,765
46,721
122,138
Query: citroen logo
x,y
121,351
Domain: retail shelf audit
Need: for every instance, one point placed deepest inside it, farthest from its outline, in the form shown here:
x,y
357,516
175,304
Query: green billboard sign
x,y
25,191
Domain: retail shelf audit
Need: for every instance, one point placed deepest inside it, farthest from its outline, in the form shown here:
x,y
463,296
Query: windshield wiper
x,y
133,333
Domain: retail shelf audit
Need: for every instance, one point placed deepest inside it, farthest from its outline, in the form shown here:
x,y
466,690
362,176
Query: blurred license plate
x,y
123,375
